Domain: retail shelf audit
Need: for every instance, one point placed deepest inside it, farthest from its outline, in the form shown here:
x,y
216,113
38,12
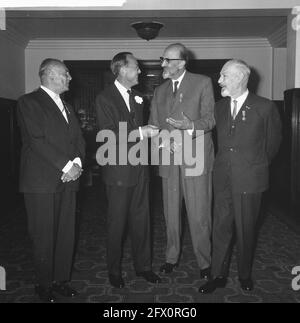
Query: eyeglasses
x,y
168,60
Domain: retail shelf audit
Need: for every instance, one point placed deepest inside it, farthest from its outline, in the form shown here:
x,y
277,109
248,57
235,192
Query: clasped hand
x,y
73,174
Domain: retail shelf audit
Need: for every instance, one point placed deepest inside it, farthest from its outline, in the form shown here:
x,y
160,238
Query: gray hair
x,y
183,52
241,66
46,67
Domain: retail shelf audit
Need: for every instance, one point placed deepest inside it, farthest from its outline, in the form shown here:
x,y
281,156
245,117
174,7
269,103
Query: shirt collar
x,y
122,89
52,94
179,79
242,98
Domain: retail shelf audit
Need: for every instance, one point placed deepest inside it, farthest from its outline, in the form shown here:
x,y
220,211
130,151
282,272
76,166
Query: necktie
x,y
61,106
175,88
234,111
131,105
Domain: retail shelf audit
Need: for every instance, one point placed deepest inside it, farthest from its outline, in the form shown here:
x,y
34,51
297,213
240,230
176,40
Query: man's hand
x,y
73,174
149,131
170,145
184,124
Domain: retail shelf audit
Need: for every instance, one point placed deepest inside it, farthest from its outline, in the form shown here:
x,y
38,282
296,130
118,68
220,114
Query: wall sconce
x,y
147,30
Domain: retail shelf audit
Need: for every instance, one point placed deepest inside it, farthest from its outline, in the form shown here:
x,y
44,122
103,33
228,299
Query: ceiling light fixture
x,y
147,30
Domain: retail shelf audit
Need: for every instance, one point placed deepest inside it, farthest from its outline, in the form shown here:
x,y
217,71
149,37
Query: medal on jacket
x,y
243,115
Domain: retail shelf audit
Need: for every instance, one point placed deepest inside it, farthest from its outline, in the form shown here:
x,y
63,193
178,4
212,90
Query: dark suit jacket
x,y
244,156
48,143
111,109
196,99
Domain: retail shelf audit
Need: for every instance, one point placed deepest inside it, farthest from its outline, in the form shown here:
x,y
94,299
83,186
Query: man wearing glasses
x,y
185,102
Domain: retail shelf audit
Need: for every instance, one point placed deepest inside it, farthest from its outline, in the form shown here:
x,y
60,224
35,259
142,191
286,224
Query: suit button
x,y
231,149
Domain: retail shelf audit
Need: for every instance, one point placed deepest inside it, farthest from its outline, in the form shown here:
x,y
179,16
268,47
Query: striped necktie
x,y
234,111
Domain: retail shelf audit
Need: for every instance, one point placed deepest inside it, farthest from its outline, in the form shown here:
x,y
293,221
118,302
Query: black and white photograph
x,y
151,154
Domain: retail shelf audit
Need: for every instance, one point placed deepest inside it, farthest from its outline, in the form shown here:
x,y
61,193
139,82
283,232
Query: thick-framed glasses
x,y
168,60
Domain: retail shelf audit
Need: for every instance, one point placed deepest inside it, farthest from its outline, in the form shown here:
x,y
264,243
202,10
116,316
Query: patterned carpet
x,y
278,251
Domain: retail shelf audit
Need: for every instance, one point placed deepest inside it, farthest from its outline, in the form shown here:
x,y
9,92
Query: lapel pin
x,y
248,107
243,115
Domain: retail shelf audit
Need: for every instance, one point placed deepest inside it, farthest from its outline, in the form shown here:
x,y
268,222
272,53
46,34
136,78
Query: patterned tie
x,y
175,88
234,111
61,106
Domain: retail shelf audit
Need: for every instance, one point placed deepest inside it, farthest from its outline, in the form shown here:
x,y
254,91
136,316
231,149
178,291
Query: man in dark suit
x,y
248,137
185,102
126,185
51,163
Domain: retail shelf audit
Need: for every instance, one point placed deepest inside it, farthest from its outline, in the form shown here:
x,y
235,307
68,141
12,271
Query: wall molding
x,y
279,37
13,35
134,44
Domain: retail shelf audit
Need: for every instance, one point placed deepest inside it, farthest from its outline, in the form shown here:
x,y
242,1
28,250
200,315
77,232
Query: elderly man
x,y
248,137
185,102
51,161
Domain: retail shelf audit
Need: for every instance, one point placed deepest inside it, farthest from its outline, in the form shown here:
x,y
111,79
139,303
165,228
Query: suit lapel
x,y
137,109
244,109
170,100
51,106
119,101
184,85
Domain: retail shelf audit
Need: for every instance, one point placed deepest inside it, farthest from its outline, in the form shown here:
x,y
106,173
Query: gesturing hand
x,y
184,124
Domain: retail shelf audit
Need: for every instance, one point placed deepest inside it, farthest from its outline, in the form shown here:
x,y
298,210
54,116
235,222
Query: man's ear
x,y
182,64
122,71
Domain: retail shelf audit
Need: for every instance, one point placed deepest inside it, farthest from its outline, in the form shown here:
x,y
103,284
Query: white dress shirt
x,y
240,101
123,91
179,80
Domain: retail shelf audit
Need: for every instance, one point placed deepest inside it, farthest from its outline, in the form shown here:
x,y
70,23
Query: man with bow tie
x,y
127,186
51,163
248,137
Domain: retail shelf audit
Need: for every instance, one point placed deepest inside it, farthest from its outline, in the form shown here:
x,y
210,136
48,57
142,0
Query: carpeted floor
x,y
278,251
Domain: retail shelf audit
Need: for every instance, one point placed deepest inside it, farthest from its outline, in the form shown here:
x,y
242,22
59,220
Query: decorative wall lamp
x,y
147,30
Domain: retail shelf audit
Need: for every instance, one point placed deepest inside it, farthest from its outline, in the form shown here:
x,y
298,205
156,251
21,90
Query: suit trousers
x,y
128,208
51,226
234,212
197,193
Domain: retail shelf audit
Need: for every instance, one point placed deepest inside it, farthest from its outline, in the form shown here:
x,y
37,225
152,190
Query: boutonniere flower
x,y
138,99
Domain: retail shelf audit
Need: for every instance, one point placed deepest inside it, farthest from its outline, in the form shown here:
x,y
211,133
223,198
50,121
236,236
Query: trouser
x,y
234,212
197,192
128,207
51,225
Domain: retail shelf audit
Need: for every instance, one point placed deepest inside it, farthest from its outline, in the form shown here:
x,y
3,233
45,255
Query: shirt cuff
x,y
77,160
67,167
141,133
190,131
